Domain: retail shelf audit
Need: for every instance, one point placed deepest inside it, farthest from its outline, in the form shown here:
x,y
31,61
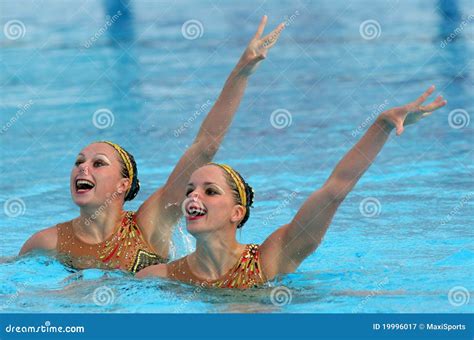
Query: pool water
x,y
401,242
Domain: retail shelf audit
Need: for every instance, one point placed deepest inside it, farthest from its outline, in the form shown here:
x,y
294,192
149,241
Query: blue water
x,y
407,258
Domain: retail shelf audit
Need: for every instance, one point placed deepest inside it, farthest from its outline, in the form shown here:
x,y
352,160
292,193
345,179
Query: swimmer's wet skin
x,y
105,176
220,261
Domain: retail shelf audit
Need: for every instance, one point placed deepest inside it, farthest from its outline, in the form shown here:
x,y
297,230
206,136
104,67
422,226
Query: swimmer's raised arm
x,y
162,210
287,247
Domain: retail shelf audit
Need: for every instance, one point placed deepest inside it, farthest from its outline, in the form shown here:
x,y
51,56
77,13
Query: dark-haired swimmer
x,y
219,201
105,176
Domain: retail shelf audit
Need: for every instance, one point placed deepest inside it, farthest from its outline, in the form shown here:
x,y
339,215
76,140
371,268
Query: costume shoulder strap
x,y
65,234
179,270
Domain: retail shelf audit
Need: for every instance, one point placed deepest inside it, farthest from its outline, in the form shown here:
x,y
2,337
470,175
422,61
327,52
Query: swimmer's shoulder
x,y
157,270
45,239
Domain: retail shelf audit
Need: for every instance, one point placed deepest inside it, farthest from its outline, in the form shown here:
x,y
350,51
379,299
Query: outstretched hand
x,y
413,112
258,47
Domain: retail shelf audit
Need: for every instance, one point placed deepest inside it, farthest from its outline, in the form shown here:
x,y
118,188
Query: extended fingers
x,y
436,104
270,39
425,95
276,32
261,27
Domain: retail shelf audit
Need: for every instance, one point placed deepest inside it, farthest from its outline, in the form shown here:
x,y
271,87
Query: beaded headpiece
x,y
126,160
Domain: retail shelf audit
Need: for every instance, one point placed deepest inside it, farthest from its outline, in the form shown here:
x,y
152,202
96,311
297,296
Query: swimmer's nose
x,y
84,169
195,196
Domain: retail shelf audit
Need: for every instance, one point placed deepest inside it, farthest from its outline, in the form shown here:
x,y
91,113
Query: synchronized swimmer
x,y
219,202
104,176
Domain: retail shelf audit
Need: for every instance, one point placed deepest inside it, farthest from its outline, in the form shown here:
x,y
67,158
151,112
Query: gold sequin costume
x,y
125,249
246,273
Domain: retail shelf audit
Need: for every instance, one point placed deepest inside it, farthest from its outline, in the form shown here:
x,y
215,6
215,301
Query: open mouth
x,y
83,186
195,210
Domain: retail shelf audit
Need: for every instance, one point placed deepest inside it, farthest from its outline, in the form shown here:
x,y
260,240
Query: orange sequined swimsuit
x,y
246,273
125,249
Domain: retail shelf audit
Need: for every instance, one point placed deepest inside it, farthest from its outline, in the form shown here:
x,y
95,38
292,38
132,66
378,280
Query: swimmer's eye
x,y
211,192
99,164
76,163
189,191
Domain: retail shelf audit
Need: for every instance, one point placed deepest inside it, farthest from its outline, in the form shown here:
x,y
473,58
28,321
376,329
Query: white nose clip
x,y
194,197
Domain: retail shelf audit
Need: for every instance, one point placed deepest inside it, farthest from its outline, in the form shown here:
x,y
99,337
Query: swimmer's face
x,y
96,176
210,205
